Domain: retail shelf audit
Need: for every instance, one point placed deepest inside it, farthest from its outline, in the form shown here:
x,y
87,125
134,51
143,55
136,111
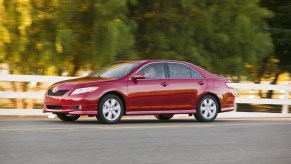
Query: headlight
x,y
84,90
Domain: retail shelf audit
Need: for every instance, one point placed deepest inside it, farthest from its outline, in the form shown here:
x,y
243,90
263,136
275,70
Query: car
x,y
161,88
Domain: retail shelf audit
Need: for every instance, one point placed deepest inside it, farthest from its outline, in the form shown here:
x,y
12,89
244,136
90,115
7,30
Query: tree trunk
x,y
270,92
260,91
31,102
76,67
261,72
20,103
60,72
14,89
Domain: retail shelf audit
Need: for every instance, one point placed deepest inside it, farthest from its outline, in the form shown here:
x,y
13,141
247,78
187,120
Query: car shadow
x,y
141,121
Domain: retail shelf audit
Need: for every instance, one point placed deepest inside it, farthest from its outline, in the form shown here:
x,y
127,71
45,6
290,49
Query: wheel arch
x,y
215,96
118,95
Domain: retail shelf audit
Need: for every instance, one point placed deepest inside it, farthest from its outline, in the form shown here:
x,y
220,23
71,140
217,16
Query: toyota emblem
x,y
55,89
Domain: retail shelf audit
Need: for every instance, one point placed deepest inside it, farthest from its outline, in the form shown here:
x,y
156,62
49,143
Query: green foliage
x,y
53,37
280,29
223,36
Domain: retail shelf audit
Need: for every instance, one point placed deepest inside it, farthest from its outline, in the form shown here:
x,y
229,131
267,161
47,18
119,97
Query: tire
x,y
110,109
207,109
164,116
68,117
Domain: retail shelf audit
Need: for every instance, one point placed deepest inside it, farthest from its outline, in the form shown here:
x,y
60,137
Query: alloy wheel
x,y
208,108
111,109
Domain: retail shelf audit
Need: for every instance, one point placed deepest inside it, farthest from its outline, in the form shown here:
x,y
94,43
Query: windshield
x,y
115,70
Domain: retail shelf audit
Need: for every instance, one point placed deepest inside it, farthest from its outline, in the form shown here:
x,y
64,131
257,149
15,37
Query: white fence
x,y
285,102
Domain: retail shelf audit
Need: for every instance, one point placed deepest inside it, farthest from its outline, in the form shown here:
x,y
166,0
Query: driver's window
x,y
154,71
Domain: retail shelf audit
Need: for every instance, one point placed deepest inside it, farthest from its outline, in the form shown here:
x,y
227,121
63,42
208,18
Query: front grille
x,y
58,93
54,107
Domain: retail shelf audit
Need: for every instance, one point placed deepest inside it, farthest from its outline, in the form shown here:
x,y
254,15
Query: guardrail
x,y
285,102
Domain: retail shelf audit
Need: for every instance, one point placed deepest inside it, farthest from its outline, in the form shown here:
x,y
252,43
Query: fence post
x,y
285,107
235,104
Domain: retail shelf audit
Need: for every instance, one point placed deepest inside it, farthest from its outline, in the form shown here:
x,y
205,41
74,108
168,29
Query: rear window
x,y
179,71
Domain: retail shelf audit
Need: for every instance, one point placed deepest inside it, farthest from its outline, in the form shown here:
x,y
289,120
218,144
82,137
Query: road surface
x,y
139,140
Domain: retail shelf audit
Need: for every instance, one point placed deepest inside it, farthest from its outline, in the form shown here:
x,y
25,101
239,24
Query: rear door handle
x,y
164,84
201,82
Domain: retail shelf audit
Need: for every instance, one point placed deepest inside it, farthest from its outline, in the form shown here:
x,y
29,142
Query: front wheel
x,y
164,116
110,109
207,109
68,117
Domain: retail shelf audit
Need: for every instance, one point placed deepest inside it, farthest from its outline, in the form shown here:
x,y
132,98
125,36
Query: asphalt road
x,y
136,141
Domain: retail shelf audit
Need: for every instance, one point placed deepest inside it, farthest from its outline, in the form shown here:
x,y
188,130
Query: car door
x,y
151,93
186,84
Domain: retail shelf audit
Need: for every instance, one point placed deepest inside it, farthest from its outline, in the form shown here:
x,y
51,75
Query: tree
x,y
53,37
280,29
166,30
91,35
223,36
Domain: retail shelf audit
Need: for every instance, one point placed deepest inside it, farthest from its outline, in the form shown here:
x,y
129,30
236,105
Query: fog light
x,y
76,107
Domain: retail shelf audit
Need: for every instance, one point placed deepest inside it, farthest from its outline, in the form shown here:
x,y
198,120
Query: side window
x,y
196,74
154,71
179,71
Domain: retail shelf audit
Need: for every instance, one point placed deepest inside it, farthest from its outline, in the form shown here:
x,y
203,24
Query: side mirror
x,y
138,76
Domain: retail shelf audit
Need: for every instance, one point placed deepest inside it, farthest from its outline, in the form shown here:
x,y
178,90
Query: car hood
x,y
79,82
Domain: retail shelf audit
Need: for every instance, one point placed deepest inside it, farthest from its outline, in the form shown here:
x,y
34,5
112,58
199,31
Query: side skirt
x,y
161,112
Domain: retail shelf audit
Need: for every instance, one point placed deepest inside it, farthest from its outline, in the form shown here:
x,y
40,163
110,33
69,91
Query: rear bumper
x,y
226,109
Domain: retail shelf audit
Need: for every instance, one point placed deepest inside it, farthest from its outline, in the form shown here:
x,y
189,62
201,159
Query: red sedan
x,y
143,87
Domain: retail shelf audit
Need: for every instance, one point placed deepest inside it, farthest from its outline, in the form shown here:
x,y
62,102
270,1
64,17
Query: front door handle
x,y
164,84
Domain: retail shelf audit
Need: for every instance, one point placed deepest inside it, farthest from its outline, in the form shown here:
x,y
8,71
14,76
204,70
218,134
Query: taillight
x,y
229,85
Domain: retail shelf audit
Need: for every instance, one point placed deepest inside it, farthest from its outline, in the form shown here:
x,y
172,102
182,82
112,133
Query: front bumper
x,y
77,105
83,109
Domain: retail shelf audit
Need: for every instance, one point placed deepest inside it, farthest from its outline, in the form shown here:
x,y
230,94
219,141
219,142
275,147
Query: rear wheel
x,y
164,116
68,117
207,109
110,109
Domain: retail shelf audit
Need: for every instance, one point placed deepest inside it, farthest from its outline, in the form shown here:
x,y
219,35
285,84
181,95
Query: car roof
x,y
155,60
